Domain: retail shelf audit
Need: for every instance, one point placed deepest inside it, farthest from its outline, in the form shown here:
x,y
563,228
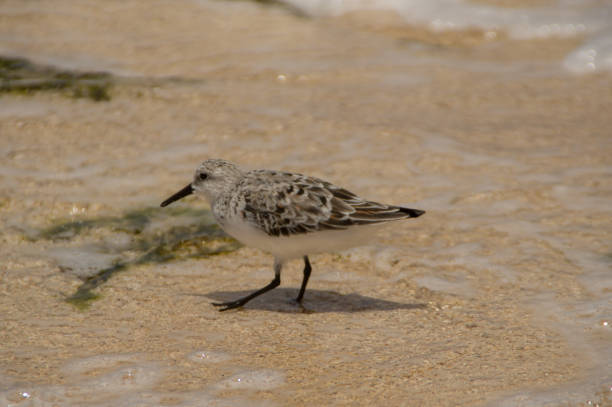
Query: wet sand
x,y
476,302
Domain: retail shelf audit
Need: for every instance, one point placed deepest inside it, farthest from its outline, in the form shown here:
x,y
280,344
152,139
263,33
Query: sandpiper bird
x,y
287,215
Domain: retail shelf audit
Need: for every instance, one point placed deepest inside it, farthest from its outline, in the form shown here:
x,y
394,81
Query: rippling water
x,y
560,18
490,115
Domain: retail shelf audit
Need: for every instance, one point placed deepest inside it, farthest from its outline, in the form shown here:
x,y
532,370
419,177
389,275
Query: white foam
x,y
264,379
564,18
105,361
209,356
99,381
594,55
82,261
125,379
124,386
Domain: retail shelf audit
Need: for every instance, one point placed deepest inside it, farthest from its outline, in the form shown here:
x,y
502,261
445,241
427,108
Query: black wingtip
x,y
413,213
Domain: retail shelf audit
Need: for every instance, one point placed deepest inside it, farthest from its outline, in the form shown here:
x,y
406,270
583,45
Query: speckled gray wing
x,y
284,204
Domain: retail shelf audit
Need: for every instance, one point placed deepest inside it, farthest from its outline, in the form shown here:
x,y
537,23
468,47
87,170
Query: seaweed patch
x,y
147,236
19,75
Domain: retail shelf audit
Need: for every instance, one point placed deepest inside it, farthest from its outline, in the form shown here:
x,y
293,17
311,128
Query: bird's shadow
x,y
283,300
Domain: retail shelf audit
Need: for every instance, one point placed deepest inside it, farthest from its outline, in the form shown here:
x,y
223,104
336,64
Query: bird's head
x,y
212,178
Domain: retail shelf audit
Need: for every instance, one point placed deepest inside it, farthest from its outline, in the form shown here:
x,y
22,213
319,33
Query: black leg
x,y
241,301
307,270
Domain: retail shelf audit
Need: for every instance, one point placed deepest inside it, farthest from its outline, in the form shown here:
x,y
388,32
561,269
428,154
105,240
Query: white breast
x,y
294,246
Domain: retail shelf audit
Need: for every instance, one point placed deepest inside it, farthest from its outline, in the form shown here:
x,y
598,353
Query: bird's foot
x,y
301,307
229,304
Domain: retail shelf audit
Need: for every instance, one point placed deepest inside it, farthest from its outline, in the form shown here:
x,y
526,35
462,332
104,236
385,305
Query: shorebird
x,y
287,215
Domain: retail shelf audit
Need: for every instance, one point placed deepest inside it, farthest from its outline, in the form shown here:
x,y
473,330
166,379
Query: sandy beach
x,y
499,296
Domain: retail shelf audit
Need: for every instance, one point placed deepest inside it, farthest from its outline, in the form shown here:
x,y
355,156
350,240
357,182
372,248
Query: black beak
x,y
188,190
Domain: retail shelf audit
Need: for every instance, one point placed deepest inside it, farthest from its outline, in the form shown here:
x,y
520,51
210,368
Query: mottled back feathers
x,y
284,204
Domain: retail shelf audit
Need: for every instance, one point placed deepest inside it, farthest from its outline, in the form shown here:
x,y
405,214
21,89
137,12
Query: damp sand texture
x,y
499,296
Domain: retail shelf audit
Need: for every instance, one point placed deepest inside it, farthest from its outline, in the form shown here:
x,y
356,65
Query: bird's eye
x,y
203,175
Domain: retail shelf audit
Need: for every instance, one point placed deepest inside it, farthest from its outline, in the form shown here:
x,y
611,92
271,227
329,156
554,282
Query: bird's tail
x,y
413,213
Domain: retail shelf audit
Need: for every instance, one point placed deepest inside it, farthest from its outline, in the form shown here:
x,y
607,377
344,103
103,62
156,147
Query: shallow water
x,y
500,295
524,20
